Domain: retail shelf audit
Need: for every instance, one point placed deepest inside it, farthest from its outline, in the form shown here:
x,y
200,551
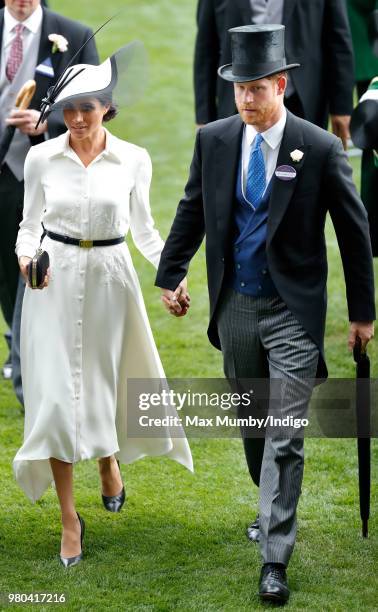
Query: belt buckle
x,y
86,244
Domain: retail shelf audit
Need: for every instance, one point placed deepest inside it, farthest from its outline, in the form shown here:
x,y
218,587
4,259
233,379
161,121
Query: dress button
x,y
79,323
242,284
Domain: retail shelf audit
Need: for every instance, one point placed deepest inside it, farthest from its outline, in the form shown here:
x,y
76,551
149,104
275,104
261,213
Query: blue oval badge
x,y
286,173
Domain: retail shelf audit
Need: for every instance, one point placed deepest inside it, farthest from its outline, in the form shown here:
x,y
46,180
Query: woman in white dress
x,y
86,332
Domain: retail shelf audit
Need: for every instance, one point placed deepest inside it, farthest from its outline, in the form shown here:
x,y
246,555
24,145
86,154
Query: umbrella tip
x,y
364,529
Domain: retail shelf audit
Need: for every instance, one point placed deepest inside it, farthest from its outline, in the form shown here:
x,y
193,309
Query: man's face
x,y
259,102
21,9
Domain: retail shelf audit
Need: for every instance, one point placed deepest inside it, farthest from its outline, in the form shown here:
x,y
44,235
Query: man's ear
x,y
281,84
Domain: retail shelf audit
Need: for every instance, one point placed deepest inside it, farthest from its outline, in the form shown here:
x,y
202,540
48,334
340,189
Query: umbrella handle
x,y
359,354
25,95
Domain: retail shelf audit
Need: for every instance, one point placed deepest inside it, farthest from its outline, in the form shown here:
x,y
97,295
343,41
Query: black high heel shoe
x,y
71,561
114,503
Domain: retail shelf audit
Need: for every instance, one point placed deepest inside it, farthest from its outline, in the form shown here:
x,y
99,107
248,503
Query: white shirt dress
x,y
85,334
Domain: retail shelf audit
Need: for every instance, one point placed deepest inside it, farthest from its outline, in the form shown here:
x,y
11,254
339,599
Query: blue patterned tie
x,y
256,180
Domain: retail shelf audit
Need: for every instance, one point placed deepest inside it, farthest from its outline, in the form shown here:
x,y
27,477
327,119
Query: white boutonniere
x,y
296,155
59,43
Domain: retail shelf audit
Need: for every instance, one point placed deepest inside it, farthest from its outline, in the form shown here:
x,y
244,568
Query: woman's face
x,y
84,117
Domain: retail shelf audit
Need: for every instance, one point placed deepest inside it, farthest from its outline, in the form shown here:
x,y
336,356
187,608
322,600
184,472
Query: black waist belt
x,y
84,244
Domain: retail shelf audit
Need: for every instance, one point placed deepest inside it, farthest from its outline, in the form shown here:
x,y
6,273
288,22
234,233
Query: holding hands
x,y
177,302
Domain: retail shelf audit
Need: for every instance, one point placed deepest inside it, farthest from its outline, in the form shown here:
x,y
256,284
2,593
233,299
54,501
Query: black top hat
x,y
257,52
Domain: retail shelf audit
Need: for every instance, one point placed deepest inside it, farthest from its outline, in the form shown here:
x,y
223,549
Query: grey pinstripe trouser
x,y
260,337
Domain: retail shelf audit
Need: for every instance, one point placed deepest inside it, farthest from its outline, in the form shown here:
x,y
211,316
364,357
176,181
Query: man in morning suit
x,y
260,186
27,53
317,35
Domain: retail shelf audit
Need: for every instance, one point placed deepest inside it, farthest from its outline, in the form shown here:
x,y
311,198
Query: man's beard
x,y
261,116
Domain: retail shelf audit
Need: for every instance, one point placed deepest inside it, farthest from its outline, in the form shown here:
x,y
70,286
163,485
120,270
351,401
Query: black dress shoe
x,y
71,561
253,530
114,503
273,585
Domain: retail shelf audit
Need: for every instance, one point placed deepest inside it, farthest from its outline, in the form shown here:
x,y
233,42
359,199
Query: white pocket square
x,y
46,68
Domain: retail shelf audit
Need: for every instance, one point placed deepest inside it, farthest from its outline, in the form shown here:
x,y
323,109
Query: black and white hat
x,y
121,78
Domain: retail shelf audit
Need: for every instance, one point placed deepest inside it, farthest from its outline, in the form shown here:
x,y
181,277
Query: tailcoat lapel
x,y
282,191
227,153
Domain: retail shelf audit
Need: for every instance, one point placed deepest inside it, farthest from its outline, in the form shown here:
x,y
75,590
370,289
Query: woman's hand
x,y
24,263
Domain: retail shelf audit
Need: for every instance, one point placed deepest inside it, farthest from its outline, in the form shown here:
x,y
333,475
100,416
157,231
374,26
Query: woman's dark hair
x,y
113,110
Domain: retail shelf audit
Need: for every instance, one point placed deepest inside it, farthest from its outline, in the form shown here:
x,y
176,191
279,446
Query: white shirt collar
x,y
61,146
272,136
32,23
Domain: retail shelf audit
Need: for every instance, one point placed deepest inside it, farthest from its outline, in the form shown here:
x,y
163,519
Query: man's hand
x,y
26,120
340,127
177,302
363,330
24,263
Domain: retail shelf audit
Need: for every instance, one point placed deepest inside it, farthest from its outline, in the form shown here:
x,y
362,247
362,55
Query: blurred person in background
x,y
365,43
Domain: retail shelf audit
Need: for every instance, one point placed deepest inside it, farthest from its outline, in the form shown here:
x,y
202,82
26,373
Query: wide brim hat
x,y
86,81
257,51
364,121
121,78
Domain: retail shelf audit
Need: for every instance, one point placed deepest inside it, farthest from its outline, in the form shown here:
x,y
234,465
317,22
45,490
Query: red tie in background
x,y
15,55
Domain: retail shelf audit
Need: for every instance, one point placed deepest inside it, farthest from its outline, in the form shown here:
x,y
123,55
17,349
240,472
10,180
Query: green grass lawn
x,y
179,543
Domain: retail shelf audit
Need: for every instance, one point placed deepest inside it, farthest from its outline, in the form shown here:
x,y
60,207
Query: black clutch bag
x,y
37,268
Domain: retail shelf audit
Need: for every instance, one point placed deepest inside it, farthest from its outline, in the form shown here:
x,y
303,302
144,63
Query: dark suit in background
x,y
11,188
366,69
317,36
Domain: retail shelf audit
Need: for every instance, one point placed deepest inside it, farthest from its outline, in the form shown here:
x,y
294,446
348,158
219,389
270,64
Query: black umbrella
x,y
22,102
363,431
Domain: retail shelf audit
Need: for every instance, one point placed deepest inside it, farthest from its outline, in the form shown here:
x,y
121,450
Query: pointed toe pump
x,y
71,561
114,503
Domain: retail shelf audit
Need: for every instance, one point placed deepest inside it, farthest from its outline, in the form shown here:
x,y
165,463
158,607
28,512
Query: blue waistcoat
x,y
250,274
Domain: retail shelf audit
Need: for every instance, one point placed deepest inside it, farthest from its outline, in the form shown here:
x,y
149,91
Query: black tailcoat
x,y
296,246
